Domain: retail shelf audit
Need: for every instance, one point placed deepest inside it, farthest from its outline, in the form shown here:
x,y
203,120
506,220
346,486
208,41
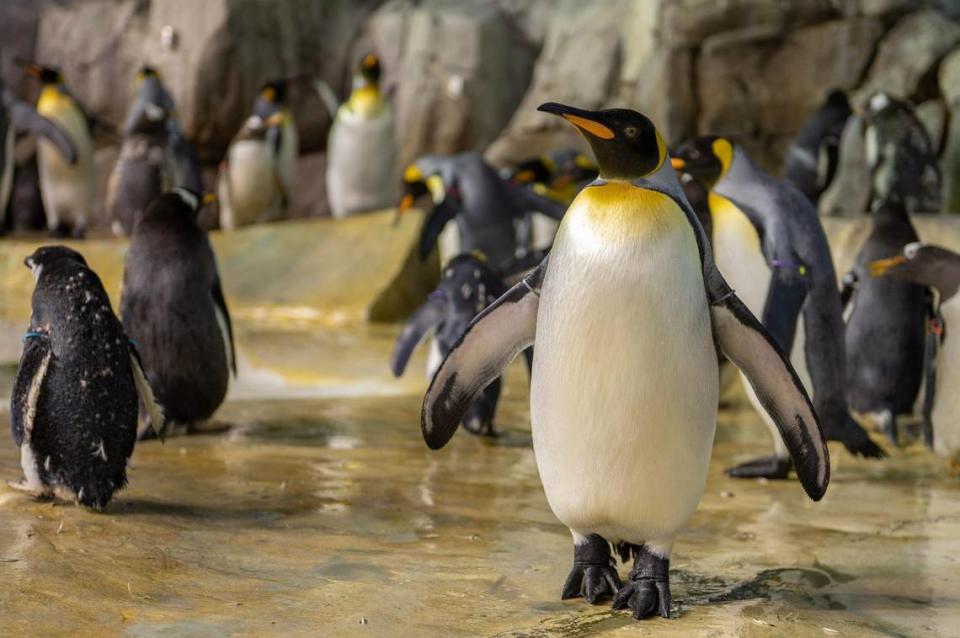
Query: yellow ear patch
x,y
208,198
479,255
412,174
594,128
437,189
677,163
661,151
723,150
524,177
369,60
269,94
584,162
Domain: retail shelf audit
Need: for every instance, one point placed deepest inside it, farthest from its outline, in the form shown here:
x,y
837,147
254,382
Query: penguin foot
x,y
647,591
888,425
594,575
480,427
857,441
768,467
37,491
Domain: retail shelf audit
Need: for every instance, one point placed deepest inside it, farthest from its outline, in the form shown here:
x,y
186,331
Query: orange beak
x,y
677,163
880,267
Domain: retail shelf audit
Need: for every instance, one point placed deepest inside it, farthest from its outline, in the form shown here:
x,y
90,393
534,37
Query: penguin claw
x,y
648,590
768,467
594,575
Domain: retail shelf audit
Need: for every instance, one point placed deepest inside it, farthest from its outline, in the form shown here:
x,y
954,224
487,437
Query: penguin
x,y
173,307
628,313
146,167
361,147
939,269
67,187
467,189
884,381
256,178
813,155
769,242
18,116
466,288
74,405
900,156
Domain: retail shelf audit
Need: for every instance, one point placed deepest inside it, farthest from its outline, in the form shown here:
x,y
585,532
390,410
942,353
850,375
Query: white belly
x,y
251,185
946,407
625,383
67,189
361,163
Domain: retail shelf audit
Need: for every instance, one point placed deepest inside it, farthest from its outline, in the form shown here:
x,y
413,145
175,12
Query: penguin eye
x,y
630,131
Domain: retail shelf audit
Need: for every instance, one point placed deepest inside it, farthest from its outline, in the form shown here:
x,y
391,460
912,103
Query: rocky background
x,y
469,75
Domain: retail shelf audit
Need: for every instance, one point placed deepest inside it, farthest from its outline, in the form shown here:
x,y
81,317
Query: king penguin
x,y
938,268
769,243
67,187
813,155
362,147
173,307
883,382
257,176
74,406
628,313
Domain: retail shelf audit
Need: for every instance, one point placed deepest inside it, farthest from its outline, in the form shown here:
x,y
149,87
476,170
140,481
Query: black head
x,y
706,158
187,199
625,143
145,72
837,99
417,185
47,257
370,68
274,91
46,74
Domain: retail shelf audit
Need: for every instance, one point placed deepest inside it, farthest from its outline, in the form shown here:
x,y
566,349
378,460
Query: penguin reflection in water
x,y
74,405
173,307
629,312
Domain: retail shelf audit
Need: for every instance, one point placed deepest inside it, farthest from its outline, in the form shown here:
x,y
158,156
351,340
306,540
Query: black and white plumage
x,y
173,307
75,398
812,156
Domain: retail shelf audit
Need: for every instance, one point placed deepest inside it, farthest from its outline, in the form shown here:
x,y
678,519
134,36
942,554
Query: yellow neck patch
x,y
366,100
723,150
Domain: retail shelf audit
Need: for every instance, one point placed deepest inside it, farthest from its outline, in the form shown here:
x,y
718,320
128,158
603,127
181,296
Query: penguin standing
x,y
173,307
467,287
67,187
769,242
884,381
628,312
75,397
938,268
362,147
813,155
257,176
16,115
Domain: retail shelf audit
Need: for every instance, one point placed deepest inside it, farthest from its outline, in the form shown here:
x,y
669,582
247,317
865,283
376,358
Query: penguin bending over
x,y
813,155
173,306
768,241
884,381
67,185
628,313
467,287
74,406
362,147
938,268
18,116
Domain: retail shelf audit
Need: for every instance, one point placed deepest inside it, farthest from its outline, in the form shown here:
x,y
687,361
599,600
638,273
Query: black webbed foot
x,y
768,467
856,440
647,591
480,427
594,575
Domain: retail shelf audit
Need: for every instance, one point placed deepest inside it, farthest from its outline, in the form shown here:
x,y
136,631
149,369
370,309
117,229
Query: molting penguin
x,y
256,178
938,268
68,187
812,156
886,327
467,287
628,312
467,189
18,116
361,147
74,405
768,241
173,307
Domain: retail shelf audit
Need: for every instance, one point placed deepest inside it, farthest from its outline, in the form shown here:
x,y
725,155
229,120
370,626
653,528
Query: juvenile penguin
x,y
67,187
18,116
813,155
362,147
256,177
938,268
173,307
769,243
886,327
75,397
467,287
628,313
466,189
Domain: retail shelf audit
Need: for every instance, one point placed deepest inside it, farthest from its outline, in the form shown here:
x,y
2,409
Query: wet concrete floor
x,y
311,507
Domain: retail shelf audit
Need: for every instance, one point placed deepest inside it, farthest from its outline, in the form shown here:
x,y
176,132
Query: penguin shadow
x,y
197,512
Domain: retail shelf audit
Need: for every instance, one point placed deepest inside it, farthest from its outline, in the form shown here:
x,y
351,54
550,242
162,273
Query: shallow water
x,y
312,507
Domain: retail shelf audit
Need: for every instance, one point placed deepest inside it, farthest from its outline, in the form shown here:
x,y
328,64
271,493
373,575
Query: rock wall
x,y
467,75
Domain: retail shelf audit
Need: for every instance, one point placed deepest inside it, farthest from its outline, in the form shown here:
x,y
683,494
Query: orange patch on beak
x,y
405,203
594,128
880,267
677,163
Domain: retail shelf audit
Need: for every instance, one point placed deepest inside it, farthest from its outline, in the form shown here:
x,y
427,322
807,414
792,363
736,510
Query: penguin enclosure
x,y
506,318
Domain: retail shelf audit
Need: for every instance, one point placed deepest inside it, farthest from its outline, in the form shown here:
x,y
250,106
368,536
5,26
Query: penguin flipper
x,y
526,199
155,418
427,317
435,223
743,340
25,118
786,295
31,372
223,319
486,348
